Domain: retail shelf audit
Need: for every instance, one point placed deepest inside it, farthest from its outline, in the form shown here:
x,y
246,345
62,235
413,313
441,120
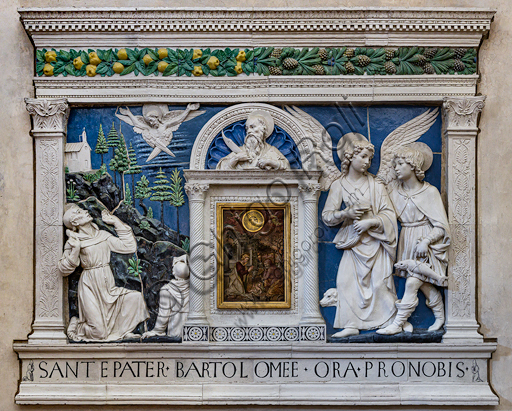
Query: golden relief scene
x,y
254,256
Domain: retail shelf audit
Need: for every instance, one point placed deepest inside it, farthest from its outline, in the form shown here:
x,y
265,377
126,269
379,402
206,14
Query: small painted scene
x,y
254,268
128,162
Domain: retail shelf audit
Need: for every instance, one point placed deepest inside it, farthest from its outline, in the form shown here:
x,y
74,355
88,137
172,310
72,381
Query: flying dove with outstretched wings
x,y
404,135
322,146
157,124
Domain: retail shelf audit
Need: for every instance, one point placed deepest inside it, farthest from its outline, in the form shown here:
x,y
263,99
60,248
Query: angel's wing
x,y
173,116
405,134
322,144
136,127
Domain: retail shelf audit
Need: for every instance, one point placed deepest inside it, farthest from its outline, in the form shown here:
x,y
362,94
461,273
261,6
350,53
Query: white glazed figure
x,y
365,289
106,312
173,303
424,238
256,153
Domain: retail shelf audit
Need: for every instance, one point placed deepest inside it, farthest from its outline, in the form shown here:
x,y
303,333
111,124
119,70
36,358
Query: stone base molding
x,y
271,374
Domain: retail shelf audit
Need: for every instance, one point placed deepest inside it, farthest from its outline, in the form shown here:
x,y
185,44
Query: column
x,y
196,326
460,129
312,324
49,123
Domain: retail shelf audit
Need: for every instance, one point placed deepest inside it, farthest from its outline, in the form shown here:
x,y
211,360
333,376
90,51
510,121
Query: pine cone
x,y
429,69
349,53
363,60
430,53
319,69
276,53
322,53
458,65
290,63
390,53
275,71
389,67
349,67
459,53
421,59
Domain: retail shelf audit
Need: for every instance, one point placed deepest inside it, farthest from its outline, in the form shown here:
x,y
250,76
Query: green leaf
x,y
70,69
188,65
85,57
171,69
40,55
128,69
102,68
153,54
206,69
132,55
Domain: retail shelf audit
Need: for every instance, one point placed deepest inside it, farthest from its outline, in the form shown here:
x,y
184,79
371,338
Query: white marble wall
x,y
494,193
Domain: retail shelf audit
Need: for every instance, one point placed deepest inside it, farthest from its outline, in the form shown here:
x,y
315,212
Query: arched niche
x,y
240,112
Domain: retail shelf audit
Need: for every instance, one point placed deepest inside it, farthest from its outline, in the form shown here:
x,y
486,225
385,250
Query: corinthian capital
x,y
196,191
462,112
48,114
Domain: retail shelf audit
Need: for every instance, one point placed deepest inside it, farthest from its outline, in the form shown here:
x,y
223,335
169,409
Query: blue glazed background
x,y
375,122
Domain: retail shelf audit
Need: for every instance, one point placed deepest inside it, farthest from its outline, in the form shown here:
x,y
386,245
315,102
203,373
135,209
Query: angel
x,y
364,294
425,236
157,124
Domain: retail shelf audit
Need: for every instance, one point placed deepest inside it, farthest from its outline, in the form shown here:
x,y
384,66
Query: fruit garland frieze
x,y
262,61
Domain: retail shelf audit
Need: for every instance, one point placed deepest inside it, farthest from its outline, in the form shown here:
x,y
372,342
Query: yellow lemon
x,y
241,56
147,59
90,70
94,59
118,68
122,54
197,53
48,69
50,56
238,68
162,53
162,66
78,63
213,62
197,71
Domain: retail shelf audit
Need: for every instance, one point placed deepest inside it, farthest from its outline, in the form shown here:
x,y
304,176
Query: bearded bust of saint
x,y
256,153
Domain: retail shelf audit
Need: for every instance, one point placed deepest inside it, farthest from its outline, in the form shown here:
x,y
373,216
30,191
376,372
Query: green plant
x,y
177,197
128,195
150,213
161,192
185,244
101,144
142,191
71,193
144,225
133,168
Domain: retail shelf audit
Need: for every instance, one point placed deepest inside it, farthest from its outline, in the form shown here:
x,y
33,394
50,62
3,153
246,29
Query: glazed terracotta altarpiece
x,y
255,206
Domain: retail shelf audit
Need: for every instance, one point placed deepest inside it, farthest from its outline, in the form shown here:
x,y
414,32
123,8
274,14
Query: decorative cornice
x,y
462,113
363,26
262,61
257,89
48,115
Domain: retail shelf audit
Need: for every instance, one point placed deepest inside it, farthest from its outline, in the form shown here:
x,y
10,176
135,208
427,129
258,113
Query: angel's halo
x,y
346,143
426,151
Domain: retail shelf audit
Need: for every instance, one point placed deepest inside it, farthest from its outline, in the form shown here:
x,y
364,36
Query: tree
x,y
150,213
122,163
134,168
142,191
113,142
177,197
128,195
161,192
101,144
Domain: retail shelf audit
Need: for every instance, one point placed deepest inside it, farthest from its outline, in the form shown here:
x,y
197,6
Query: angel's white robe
x,y
366,291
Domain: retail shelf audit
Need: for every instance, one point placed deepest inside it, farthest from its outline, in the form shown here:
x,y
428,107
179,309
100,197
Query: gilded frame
x,y
287,256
